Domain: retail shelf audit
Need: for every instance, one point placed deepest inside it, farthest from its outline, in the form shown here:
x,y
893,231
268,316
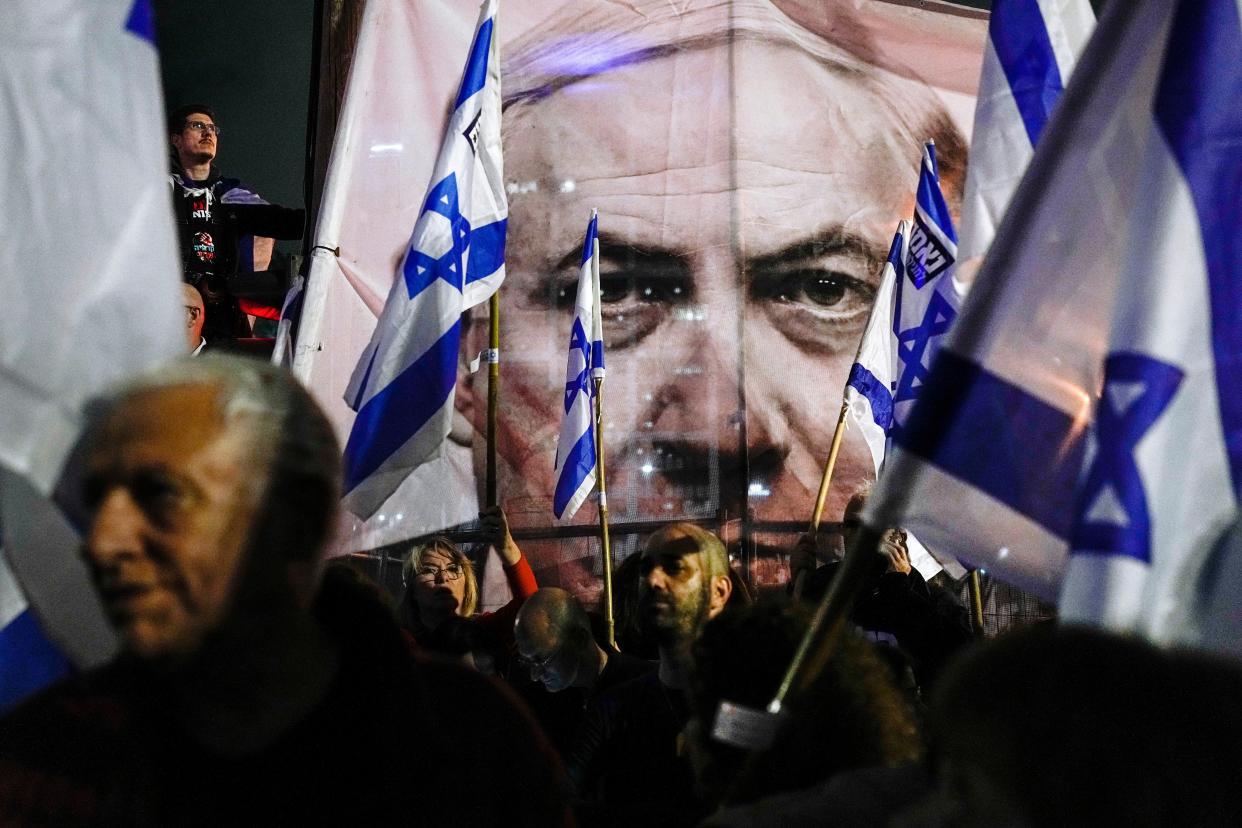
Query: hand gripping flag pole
x,y
580,448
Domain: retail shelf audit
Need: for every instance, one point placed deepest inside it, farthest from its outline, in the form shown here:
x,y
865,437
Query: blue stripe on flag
x,y
1020,38
141,21
475,76
579,463
1197,110
1000,439
588,242
487,250
881,399
397,412
28,661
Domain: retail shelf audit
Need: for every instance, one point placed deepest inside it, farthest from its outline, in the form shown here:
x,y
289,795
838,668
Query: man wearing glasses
x,y
224,227
194,319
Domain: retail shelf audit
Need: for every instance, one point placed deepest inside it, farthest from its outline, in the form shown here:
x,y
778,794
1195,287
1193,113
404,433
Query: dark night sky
x,y
252,61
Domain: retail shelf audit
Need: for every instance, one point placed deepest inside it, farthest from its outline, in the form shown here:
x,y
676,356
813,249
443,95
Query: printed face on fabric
x,y
747,193
172,502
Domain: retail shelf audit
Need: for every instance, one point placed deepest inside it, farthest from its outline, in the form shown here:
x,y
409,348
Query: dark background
x,y
251,61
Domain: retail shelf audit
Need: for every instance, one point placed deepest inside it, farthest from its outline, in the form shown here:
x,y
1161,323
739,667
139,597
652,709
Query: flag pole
x,y
825,483
601,486
976,602
493,393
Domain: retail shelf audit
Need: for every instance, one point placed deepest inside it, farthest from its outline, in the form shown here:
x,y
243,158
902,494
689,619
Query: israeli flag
x,y
90,276
1081,433
1031,49
28,658
926,298
869,389
575,450
402,386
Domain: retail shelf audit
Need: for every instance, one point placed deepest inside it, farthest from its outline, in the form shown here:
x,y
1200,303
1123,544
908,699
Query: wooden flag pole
x,y
493,394
601,486
825,484
976,602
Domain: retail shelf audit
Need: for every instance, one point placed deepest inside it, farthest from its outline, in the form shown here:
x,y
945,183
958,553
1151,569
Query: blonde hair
x,y
409,568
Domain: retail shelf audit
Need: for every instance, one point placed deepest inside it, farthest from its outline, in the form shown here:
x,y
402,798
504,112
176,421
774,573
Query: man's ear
x,y
722,589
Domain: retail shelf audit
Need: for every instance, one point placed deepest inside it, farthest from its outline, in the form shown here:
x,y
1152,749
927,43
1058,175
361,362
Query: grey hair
x,y
295,453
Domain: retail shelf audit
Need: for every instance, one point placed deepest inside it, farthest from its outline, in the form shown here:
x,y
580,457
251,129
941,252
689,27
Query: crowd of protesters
x,y
258,684
254,686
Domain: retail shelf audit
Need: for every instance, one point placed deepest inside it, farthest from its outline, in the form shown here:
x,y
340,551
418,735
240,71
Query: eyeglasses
x,y
538,667
203,126
428,573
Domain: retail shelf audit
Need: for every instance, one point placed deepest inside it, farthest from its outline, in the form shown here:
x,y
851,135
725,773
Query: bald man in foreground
x,y
628,763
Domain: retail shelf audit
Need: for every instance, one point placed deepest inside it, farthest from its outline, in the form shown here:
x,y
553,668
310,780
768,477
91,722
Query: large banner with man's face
x,y
749,159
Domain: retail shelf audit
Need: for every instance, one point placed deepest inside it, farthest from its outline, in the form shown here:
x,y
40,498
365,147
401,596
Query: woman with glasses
x,y
442,594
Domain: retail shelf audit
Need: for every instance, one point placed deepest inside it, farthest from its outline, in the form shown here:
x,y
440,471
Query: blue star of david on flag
x,y
926,300
914,347
420,269
1111,516
581,382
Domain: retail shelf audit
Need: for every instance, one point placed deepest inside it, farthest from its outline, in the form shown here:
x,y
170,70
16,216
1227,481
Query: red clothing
x,y
495,629
490,633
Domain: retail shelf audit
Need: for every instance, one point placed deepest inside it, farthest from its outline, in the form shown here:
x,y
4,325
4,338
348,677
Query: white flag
x,y
89,273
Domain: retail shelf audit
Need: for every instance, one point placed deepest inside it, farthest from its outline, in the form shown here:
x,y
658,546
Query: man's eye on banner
x,y
750,163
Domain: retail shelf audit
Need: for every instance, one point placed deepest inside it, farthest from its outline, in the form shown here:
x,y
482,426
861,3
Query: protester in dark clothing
x,y
852,717
244,693
927,623
374,751
442,593
217,220
629,764
1049,726
557,646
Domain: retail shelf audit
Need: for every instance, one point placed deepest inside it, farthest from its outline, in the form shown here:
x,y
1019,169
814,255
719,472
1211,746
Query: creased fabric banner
x,y
749,160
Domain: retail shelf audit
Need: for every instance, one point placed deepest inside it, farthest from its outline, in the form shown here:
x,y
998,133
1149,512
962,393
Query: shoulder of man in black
x,y
621,668
104,748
